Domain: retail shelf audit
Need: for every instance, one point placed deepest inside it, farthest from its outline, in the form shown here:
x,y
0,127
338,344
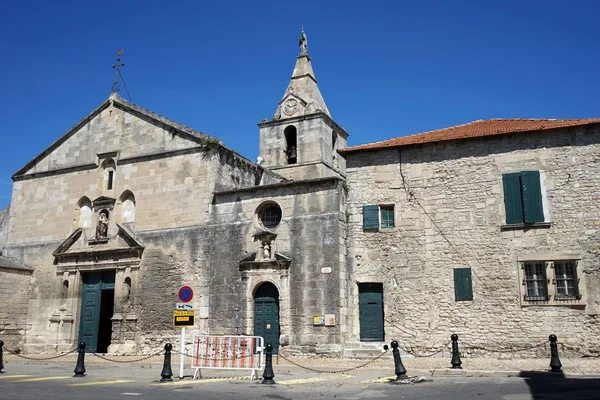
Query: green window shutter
x,y
532,196
370,217
512,198
463,288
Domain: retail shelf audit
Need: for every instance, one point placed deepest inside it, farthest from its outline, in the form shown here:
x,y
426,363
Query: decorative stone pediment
x,y
292,105
254,262
104,202
79,250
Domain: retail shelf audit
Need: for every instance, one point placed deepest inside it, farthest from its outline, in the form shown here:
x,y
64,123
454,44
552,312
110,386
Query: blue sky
x,y
385,68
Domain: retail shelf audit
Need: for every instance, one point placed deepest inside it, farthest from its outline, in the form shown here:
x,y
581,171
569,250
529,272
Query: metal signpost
x,y
183,315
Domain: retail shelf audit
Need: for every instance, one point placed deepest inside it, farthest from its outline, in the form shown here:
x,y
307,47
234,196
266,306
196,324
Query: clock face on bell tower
x,y
290,107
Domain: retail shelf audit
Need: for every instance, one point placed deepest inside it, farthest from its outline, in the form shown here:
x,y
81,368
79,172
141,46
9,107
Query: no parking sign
x,y
185,294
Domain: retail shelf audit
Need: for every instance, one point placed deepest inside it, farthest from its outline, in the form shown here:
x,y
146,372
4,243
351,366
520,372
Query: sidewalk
x,y
384,366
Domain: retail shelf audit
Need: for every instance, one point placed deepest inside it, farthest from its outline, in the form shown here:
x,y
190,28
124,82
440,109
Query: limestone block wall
x,y
316,134
14,296
309,234
449,212
4,226
172,188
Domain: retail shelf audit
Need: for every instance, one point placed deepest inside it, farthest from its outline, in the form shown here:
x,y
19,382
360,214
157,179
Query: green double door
x,y
95,328
266,314
370,304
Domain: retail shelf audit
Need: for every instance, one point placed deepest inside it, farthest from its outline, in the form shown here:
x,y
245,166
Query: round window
x,y
270,215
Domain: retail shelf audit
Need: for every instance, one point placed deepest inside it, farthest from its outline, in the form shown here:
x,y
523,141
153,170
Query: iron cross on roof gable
x,y
118,74
115,86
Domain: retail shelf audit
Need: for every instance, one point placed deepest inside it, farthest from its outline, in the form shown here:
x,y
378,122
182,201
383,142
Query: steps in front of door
x,y
368,350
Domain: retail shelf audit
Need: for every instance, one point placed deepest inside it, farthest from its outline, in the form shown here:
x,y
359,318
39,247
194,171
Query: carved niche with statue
x,y
265,257
103,208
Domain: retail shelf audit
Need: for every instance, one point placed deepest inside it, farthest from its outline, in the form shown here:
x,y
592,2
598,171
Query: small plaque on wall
x,y
318,320
329,319
325,270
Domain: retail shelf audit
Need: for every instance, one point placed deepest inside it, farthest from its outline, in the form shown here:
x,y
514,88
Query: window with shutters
x,y
524,199
551,281
463,287
378,217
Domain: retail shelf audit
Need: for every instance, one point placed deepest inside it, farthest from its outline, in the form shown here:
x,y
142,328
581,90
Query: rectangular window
x,y
387,216
375,217
463,286
565,273
523,197
110,180
536,285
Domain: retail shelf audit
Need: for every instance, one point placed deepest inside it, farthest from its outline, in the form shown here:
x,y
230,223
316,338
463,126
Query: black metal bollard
x,y
80,367
456,362
166,372
1,357
268,374
399,369
555,363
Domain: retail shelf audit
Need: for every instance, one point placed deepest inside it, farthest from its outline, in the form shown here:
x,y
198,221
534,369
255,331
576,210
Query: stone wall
x,y
14,295
4,226
173,180
308,234
449,213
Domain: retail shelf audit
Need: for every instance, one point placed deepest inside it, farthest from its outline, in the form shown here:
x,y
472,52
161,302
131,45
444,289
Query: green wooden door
x,y
266,314
370,304
93,284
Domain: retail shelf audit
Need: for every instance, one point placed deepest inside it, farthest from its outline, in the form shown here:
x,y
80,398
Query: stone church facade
x,y
488,230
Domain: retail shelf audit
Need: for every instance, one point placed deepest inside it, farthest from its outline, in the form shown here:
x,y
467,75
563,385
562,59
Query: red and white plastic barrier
x,y
228,352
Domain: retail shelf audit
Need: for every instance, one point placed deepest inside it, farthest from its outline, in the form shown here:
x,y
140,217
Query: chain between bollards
x,y
456,362
166,372
1,357
80,367
555,363
268,374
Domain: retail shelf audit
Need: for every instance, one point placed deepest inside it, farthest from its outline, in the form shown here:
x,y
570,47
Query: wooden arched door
x,y
266,314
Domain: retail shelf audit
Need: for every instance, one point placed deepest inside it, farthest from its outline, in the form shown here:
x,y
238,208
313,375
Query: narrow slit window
x,y
109,185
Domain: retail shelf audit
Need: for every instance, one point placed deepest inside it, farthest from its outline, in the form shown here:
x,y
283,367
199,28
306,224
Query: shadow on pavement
x,y
555,385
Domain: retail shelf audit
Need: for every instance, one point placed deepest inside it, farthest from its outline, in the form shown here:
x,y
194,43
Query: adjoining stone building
x,y
489,230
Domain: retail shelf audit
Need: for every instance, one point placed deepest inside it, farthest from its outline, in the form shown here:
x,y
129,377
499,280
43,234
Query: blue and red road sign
x,y
185,294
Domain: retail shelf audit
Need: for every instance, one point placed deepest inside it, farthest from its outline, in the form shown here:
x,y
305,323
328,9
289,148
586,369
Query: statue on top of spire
x,y
303,43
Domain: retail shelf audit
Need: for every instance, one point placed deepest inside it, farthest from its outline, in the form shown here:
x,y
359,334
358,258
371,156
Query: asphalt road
x,y
55,381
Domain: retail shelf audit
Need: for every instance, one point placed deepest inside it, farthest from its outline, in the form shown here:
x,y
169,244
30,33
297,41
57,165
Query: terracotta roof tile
x,y
479,128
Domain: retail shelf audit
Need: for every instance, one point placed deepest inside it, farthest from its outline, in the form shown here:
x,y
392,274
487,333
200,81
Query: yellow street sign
x,y
183,318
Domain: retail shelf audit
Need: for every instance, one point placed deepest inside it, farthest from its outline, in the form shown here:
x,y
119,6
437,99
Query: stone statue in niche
x,y
102,228
266,246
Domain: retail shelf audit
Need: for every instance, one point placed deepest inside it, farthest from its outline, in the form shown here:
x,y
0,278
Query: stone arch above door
x,y
281,284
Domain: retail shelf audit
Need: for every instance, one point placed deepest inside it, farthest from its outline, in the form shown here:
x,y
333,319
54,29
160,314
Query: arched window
x,y
291,144
127,201
109,170
85,212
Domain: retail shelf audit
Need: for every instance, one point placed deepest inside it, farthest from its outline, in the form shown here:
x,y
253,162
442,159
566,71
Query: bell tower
x,y
301,140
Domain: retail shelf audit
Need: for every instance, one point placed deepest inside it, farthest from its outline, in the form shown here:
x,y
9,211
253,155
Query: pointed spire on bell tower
x,y
301,140
302,96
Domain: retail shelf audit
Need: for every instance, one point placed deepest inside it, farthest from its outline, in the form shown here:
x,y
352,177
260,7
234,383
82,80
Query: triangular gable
x,y
293,96
142,113
124,243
